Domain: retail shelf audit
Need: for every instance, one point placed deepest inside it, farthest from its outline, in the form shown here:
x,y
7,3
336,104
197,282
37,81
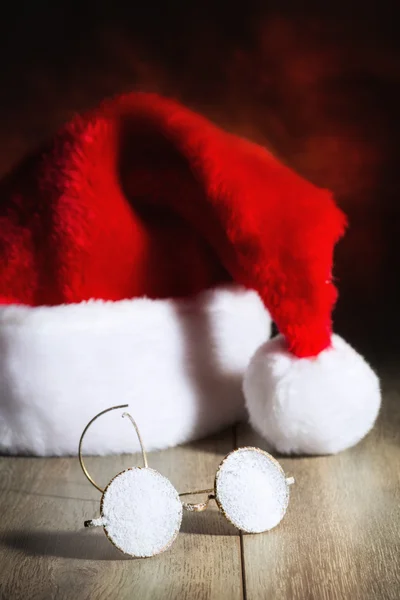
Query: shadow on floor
x,y
83,544
209,522
90,545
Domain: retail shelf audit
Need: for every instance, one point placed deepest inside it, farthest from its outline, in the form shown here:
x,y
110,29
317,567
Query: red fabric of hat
x,y
144,198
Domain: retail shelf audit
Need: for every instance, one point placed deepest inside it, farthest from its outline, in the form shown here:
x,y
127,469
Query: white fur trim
x,y
312,406
178,364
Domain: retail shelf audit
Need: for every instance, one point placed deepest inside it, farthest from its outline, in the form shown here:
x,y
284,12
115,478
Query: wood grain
x,y
340,538
45,553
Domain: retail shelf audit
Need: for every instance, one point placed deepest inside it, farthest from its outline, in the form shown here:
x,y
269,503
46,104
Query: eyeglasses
x,y
141,511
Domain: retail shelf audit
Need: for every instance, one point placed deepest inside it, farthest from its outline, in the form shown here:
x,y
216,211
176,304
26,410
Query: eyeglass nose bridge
x,y
103,412
198,506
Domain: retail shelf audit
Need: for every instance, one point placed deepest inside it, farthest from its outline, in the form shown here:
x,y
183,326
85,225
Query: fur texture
x,y
178,364
143,197
320,405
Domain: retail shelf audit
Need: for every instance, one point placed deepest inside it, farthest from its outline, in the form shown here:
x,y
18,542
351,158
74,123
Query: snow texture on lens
x,y
251,490
141,512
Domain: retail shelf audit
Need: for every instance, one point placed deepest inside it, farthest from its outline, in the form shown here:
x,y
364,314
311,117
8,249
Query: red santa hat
x,y
141,254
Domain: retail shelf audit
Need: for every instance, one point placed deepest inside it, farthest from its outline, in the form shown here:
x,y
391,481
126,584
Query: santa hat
x,y
141,254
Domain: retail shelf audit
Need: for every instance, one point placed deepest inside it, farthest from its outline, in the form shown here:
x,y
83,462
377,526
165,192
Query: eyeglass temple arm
x,y
125,414
211,491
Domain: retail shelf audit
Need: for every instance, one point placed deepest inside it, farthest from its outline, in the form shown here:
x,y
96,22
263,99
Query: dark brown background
x,y
320,85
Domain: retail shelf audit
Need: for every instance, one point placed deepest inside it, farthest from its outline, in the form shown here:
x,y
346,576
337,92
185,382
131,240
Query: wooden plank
x,y
340,538
45,553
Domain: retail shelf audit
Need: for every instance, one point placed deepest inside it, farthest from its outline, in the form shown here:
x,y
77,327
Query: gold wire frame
x,y
104,491
164,548
289,480
211,493
103,412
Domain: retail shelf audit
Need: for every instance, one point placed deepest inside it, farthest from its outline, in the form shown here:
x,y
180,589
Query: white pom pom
x,y
318,405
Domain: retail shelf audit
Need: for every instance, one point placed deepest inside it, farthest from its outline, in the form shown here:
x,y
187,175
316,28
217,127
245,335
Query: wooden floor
x,y
339,540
